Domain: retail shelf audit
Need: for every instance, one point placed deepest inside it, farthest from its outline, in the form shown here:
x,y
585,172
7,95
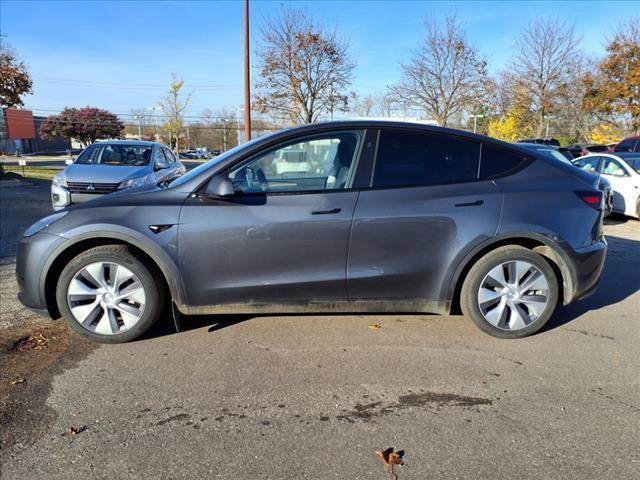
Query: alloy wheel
x,y
106,298
513,295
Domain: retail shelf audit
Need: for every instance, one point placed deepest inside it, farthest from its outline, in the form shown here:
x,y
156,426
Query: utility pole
x,y
247,77
188,140
331,99
475,121
224,134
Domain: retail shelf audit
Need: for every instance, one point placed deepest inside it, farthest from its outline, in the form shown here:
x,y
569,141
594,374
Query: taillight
x,y
593,199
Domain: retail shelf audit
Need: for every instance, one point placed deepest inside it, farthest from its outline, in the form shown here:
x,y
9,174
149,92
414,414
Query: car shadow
x,y
620,279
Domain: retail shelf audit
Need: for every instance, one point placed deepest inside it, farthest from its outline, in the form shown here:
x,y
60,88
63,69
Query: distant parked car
x,y
105,167
582,149
629,144
542,141
622,170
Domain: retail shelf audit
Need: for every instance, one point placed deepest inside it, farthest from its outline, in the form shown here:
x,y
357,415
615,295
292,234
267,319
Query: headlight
x,y
43,223
133,182
60,180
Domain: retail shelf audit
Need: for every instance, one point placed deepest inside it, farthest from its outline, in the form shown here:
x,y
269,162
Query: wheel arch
x,y
151,254
537,243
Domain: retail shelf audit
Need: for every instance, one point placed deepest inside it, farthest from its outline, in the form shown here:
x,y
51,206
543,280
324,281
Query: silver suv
x,y
105,167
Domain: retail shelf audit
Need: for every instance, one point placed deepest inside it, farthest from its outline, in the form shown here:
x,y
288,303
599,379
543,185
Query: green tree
x,y
174,104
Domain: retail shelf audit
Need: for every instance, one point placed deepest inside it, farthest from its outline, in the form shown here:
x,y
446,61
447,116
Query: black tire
x,y
477,273
120,254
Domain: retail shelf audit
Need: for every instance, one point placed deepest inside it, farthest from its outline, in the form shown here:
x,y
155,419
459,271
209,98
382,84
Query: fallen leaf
x,y
73,431
375,326
391,459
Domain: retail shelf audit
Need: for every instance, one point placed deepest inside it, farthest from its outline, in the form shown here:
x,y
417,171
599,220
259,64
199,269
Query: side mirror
x,y
220,186
69,161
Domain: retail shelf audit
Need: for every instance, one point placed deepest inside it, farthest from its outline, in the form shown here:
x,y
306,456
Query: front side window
x,y
590,164
325,162
171,158
613,167
417,158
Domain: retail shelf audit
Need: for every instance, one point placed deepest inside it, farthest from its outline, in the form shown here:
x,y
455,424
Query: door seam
x,y
346,266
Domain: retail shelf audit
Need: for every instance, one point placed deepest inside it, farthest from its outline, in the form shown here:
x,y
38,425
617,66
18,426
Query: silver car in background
x,y
106,167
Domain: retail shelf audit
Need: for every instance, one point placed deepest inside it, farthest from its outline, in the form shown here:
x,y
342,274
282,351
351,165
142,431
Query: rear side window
x,y
415,158
626,145
497,161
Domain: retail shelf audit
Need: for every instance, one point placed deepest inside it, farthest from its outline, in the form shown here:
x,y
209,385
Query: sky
x,y
120,55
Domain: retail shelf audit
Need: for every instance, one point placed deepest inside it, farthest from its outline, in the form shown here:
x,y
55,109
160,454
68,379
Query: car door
x,y
624,193
283,237
424,207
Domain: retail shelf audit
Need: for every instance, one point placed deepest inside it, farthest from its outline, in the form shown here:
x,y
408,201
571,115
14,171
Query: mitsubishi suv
x,y
397,217
105,167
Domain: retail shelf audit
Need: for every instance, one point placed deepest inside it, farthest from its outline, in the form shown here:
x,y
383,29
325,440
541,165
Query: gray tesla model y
x,y
356,216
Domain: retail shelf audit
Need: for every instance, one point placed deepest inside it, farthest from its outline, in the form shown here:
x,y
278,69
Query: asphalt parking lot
x,y
316,396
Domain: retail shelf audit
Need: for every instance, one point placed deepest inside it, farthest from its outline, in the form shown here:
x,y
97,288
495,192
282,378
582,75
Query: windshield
x,y
116,155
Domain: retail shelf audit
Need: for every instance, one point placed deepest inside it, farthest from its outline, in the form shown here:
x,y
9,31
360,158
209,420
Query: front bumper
x,y
33,261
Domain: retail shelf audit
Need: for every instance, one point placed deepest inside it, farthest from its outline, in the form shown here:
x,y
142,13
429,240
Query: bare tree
x,y
174,105
304,68
363,106
545,57
445,76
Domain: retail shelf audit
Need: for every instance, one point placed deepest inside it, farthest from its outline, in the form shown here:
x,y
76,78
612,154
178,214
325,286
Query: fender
x,y
552,247
161,258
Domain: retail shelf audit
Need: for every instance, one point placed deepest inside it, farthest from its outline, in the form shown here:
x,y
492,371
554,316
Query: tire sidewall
x,y
478,272
122,257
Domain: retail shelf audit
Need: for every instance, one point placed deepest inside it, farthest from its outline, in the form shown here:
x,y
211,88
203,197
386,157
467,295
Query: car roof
x,y
342,124
127,142
538,146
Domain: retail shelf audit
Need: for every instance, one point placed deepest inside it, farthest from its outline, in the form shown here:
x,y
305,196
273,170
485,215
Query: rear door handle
x,y
326,212
477,203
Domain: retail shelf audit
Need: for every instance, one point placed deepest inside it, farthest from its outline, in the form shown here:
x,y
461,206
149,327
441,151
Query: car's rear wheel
x,y
510,293
109,295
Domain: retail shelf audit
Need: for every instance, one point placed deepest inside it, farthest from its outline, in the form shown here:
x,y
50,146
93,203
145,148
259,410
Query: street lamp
x,y
139,118
155,109
475,120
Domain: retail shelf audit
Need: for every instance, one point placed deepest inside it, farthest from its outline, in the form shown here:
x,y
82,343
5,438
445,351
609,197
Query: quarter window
x,y
325,162
416,158
497,161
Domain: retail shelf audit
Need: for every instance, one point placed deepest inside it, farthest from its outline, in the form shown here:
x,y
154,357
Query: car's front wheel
x,y
510,293
109,295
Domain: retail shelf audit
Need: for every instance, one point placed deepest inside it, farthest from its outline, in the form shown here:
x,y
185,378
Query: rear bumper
x,y
585,265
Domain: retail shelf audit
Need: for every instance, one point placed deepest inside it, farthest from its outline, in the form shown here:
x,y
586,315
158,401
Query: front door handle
x,y
477,203
326,212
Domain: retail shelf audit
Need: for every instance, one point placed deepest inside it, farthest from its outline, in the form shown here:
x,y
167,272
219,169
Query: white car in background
x,y
622,170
